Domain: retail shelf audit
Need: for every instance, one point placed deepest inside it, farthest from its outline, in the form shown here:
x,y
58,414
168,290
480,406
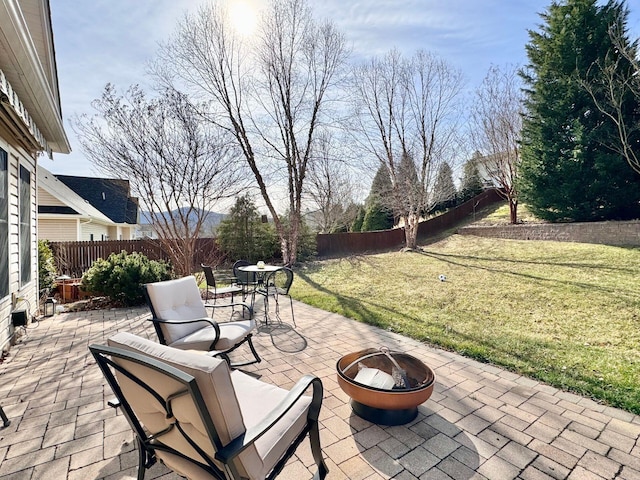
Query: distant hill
x,y
210,224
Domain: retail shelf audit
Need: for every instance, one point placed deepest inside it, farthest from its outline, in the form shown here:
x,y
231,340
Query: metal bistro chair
x,y
213,289
180,319
277,284
246,280
204,421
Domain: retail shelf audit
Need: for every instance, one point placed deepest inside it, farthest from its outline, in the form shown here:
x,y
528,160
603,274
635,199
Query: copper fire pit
x,y
385,406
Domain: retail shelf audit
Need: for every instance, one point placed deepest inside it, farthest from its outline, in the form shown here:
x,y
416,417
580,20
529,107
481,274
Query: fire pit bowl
x,y
395,406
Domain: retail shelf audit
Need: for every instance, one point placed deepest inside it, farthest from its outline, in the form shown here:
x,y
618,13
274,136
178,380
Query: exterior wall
x,y
605,233
29,291
58,230
99,231
45,198
119,232
145,231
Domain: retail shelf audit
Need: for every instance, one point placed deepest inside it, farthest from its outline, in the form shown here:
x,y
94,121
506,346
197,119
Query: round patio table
x,y
256,269
260,275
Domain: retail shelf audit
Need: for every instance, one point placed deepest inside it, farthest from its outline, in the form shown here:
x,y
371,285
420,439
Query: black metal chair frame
x,y
210,279
246,280
149,443
224,354
271,289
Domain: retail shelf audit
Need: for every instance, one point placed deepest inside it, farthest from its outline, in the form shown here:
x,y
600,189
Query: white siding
x,y
18,156
98,230
45,198
58,230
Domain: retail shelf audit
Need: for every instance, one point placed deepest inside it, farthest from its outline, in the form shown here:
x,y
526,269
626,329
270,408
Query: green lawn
x,y
564,313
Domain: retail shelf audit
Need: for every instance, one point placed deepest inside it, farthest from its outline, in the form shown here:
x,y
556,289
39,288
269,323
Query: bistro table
x,y
260,271
266,268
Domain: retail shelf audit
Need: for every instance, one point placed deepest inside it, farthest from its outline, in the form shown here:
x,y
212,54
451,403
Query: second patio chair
x,y
214,290
247,280
277,284
180,319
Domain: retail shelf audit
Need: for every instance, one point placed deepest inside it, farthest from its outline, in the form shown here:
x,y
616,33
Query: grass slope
x,y
563,313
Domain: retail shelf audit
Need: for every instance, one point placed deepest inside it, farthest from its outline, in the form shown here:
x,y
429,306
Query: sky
x,y
111,41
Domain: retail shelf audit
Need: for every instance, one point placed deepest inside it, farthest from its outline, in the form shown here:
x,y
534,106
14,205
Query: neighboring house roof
x,y
29,94
109,195
74,203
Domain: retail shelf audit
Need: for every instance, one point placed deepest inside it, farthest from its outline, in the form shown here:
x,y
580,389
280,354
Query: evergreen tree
x,y
379,215
471,184
569,171
356,226
444,189
381,187
243,234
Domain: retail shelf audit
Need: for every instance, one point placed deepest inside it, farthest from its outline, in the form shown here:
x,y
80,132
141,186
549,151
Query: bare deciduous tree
x,y
330,188
178,166
496,122
269,93
406,114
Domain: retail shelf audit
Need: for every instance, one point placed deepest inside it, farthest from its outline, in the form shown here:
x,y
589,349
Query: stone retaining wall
x,y
606,233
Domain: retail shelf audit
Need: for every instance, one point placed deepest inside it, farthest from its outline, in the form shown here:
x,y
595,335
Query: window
x,y
91,237
25,225
4,224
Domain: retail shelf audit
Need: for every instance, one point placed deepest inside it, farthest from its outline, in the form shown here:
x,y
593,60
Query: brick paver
x,y
480,423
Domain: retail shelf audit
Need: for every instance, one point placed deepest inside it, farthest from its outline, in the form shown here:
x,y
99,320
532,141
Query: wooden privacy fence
x,y
75,258
336,244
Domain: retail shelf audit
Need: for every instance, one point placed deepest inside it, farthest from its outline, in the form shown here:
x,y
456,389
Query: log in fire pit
x,y
379,399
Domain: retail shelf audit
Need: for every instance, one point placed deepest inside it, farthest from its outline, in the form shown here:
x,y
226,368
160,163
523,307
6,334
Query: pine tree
x,y
471,184
444,189
379,215
569,172
243,234
356,226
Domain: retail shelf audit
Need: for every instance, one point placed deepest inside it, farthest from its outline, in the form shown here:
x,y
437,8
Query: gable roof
x,y
74,203
109,195
28,72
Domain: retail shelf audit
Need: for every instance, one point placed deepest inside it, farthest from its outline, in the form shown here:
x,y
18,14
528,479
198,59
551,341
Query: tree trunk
x,y
513,210
411,230
289,246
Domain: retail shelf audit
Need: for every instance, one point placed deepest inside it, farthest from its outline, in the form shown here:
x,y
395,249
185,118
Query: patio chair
x,y
213,289
277,284
246,280
181,321
204,421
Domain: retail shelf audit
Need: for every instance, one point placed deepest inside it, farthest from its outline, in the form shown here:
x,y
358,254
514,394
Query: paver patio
x,y
481,421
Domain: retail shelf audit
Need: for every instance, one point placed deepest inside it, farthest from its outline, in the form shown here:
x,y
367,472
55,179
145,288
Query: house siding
x,y
58,230
45,198
97,230
30,123
18,156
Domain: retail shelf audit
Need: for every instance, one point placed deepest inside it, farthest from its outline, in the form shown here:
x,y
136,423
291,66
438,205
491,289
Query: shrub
x,y
47,270
122,275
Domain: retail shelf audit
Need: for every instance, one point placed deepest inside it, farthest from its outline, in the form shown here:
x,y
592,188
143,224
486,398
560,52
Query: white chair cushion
x,y
256,400
231,333
177,300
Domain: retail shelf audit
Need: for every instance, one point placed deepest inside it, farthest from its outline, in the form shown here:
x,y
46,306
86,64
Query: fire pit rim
x,y
419,387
